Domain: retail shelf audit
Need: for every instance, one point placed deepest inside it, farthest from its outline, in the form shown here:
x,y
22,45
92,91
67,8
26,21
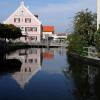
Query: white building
x,y
48,31
98,13
60,37
28,23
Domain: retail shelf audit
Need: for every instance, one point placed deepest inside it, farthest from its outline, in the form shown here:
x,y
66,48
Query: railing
x,y
91,52
42,43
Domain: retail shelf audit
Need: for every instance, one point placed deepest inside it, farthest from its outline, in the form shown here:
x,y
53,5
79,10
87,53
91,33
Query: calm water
x,y
42,74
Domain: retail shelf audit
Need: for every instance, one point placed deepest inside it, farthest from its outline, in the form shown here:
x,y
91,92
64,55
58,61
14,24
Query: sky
x,y
58,13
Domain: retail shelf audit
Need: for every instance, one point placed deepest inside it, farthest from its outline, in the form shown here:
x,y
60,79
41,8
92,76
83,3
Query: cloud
x,y
61,14
64,7
51,12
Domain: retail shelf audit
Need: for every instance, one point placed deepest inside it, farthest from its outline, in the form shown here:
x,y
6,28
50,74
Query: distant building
x,y
60,36
48,31
98,13
29,24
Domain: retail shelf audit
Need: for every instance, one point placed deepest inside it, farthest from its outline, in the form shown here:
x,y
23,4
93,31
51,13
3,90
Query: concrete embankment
x,y
85,60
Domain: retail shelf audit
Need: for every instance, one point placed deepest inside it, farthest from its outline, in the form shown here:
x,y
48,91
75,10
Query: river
x,y
47,74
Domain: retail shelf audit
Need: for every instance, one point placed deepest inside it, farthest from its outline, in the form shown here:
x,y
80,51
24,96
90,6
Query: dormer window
x,y
17,20
28,20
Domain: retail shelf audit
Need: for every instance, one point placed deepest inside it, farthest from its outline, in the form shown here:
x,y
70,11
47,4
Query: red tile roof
x,y
48,55
48,28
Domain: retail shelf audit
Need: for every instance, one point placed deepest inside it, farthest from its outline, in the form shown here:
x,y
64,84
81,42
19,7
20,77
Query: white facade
x,y
47,34
29,24
61,36
98,13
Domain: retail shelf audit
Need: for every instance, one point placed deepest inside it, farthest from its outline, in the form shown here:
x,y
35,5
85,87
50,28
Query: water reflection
x,y
31,60
39,77
9,66
31,64
37,74
86,79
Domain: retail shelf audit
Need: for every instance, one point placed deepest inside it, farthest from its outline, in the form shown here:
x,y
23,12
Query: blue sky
x,y
51,12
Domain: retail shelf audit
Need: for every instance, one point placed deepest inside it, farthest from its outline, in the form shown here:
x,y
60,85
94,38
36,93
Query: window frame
x,y
27,20
17,20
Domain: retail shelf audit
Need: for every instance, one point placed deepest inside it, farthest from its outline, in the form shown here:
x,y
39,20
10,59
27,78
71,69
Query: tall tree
x,y
85,24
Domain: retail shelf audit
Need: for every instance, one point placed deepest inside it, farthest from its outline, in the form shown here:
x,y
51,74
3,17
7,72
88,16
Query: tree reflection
x,y
86,78
9,65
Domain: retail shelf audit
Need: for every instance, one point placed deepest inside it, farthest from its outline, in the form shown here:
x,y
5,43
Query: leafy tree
x,y
85,24
76,43
9,31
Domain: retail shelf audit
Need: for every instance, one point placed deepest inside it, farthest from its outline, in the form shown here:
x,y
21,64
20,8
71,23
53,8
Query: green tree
x,y
9,31
76,43
85,24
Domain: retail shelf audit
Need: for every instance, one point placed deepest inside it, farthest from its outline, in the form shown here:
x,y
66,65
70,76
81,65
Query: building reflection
x,y
31,63
48,54
31,60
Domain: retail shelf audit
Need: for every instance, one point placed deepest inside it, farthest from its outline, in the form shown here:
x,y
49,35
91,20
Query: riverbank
x,y
85,60
6,48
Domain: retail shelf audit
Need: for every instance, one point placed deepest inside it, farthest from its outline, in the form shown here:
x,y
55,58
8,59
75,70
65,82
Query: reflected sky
x,y
40,77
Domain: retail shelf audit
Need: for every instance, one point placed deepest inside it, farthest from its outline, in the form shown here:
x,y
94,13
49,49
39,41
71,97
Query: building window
x,y
30,52
25,69
35,29
27,20
29,69
28,29
25,38
16,20
35,60
30,60
25,60
33,38
36,38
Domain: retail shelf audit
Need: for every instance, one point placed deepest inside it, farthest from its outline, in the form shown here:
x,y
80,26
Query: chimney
x,y
36,16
